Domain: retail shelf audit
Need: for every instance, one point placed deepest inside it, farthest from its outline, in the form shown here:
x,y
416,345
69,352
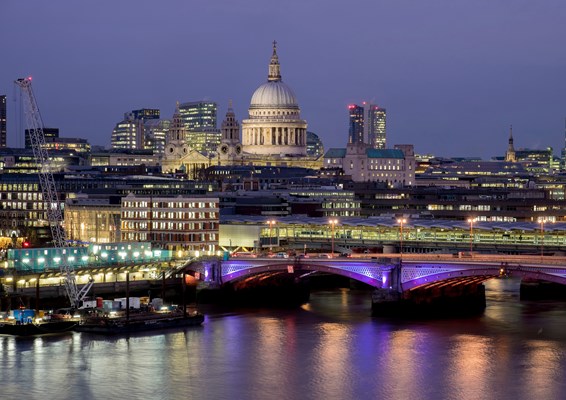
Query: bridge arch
x,y
484,274
370,275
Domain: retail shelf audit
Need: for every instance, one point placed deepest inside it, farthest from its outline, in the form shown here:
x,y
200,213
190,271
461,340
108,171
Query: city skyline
x,y
452,77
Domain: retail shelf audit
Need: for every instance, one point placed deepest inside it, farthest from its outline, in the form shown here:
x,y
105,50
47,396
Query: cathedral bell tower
x,y
230,148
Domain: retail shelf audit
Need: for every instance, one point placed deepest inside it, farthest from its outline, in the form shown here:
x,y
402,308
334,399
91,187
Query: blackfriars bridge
x,y
413,278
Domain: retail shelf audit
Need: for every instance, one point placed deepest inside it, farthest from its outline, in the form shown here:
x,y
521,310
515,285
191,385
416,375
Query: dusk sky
x,y
453,75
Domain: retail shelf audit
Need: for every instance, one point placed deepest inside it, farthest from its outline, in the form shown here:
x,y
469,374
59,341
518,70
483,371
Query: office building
x,y
188,223
136,131
50,135
146,113
356,124
155,134
362,163
70,144
127,134
198,115
3,121
315,148
199,121
367,124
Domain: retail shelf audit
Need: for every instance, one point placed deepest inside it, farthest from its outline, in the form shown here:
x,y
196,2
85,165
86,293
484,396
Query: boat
x,y
109,324
25,322
36,327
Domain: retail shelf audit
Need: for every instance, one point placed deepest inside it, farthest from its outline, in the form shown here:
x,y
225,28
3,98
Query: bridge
x,y
396,278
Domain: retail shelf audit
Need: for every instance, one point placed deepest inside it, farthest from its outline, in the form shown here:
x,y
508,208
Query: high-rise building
x,y
199,120
198,115
140,130
356,124
155,133
146,113
374,128
127,134
3,121
367,125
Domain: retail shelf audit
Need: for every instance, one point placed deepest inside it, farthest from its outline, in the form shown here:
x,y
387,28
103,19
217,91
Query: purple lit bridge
x,y
413,272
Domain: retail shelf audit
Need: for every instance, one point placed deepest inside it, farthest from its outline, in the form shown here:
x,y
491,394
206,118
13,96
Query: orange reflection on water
x,y
470,371
403,353
542,370
332,356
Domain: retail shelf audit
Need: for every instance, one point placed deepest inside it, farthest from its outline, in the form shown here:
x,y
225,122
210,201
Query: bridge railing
x,y
473,257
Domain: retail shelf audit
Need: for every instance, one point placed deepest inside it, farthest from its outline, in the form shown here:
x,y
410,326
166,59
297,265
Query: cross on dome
x,y
274,67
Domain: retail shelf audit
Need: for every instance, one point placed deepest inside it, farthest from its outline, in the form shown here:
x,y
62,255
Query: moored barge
x,y
138,322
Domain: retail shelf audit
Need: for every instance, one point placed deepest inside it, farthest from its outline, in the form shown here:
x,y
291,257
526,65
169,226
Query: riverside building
x,y
182,223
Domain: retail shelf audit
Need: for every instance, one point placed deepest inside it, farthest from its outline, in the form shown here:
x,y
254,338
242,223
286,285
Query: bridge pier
x,y
532,289
458,300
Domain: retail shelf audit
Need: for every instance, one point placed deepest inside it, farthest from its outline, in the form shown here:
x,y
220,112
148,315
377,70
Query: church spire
x,y
510,155
274,67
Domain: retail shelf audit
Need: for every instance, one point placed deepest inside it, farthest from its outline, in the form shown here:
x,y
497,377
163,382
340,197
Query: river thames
x,y
330,348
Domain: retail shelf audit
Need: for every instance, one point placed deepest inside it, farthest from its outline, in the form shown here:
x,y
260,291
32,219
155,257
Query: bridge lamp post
x,y
471,222
542,221
332,223
271,222
401,221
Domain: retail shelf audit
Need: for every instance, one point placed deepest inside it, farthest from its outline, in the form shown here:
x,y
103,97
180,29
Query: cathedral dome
x,y
274,94
274,127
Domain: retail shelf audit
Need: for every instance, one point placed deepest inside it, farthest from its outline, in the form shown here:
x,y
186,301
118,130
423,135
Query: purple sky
x,y
452,74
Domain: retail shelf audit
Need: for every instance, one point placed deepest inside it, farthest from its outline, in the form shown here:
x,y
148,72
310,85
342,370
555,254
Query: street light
x,y
542,221
471,221
333,223
271,222
401,221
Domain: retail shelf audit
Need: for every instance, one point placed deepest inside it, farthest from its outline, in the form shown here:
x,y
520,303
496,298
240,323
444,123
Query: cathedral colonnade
x,y
275,136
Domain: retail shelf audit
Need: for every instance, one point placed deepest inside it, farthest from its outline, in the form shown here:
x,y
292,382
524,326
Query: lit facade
x,y
375,126
140,130
204,141
92,220
123,158
155,134
188,223
22,161
198,115
127,134
363,163
68,144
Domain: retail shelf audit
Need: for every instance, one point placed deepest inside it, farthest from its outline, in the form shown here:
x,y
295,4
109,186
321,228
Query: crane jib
x,y
51,202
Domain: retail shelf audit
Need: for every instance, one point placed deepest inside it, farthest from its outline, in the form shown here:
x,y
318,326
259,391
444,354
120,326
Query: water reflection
x,y
330,348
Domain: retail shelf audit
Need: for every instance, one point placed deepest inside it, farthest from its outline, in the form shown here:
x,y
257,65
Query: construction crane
x,y
51,202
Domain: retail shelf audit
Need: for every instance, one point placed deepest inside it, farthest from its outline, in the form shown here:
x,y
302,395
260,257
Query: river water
x,y
331,348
